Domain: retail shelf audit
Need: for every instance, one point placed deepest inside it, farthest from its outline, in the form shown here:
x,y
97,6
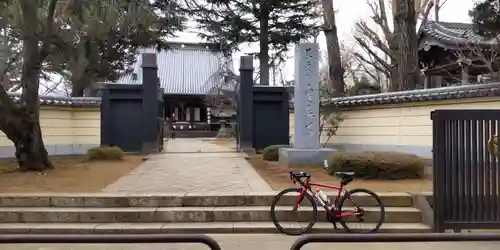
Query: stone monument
x,y
306,149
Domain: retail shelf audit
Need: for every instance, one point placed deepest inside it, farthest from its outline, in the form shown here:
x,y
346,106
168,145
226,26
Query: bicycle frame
x,y
306,186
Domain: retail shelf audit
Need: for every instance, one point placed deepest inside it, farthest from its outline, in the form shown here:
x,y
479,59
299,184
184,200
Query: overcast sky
x,y
349,11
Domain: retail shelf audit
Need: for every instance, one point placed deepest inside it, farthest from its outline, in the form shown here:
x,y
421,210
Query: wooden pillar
x,y
465,74
427,82
245,114
436,81
150,98
106,127
193,108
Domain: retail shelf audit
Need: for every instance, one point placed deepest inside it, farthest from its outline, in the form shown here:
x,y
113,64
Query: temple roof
x,y
62,100
421,95
451,35
183,69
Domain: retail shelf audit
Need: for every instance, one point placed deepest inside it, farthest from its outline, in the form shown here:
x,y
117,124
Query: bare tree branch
x,y
372,53
374,38
379,43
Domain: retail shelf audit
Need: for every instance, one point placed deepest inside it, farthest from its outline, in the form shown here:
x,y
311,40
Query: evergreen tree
x,y
92,34
486,17
105,35
274,24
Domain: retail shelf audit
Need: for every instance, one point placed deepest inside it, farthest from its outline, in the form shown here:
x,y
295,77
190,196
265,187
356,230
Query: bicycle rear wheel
x,y
373,211
284,215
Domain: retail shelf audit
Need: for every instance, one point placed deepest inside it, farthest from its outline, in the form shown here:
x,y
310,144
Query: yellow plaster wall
x,y
67,126
406,124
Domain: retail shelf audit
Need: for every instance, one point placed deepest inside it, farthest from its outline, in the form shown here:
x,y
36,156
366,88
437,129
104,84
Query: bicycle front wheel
x,y
369,204
289,220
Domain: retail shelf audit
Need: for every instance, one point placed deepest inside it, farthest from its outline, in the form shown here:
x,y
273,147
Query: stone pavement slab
x,y
192,145
263,242
192,165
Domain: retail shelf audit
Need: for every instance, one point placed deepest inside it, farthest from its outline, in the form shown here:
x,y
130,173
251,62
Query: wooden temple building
x,y
453,54
188,74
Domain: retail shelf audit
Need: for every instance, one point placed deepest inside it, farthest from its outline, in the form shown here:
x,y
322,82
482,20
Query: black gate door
x,y
270,117
466,169
126,122
121,117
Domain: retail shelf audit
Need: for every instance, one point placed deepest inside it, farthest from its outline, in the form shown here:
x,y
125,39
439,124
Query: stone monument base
x,y
298,157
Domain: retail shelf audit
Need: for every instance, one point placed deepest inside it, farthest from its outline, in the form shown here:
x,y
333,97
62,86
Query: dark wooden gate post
x,y
105,117
245,105
438,166
150,103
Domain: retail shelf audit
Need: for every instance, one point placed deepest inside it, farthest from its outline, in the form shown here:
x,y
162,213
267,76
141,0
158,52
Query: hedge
x,y
105,153
378,165
271,153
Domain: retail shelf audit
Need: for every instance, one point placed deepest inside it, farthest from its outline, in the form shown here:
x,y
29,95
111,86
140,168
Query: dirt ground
x,y
276,175
70,175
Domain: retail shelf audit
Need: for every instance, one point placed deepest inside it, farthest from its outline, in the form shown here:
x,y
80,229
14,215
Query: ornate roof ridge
x,y
453,33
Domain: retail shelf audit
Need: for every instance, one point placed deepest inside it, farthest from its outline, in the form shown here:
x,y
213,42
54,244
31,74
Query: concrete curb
x,y
171,200
203,228
186,214
422,203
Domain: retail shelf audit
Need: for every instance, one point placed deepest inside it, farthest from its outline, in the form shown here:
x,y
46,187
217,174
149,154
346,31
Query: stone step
x,y
182,214
195,227
174,200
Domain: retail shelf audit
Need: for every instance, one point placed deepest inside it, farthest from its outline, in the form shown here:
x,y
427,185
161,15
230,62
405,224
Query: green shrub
x,y
112,153
271,153
378,165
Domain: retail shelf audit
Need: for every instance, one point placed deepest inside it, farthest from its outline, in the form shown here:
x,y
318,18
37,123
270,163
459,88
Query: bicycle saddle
x,y
344,174
300,174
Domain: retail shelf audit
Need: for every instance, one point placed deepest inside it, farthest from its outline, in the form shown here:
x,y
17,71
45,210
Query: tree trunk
x,y
77,92
27,138
335,69
394,46
405,18
30,149
395,80
24,131
78,86
264,48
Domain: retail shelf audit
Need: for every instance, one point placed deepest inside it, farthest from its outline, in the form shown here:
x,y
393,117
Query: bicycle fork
x,y
299,199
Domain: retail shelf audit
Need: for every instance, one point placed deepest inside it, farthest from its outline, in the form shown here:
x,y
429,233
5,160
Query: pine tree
x,y
274,24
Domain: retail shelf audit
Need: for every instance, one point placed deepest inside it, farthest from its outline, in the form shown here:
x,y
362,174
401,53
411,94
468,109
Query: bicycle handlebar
x,y
298,179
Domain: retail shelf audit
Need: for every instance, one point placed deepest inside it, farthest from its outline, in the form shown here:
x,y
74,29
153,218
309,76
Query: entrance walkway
x,y
192,165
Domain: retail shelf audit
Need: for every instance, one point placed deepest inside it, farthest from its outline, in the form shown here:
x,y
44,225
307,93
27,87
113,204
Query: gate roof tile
x,y
62,101
455,92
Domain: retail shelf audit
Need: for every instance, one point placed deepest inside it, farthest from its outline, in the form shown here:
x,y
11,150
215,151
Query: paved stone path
x,y
266,242
192,165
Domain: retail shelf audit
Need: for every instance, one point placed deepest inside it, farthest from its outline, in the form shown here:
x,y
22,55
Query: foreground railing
x,y
213,245
364,238
109,239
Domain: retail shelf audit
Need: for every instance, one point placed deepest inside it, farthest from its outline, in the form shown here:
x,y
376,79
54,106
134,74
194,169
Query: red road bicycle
x,y
336,211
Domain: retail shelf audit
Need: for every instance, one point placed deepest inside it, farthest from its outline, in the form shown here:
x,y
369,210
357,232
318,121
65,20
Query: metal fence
x,y
369,238
109,239
213,245
466,169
